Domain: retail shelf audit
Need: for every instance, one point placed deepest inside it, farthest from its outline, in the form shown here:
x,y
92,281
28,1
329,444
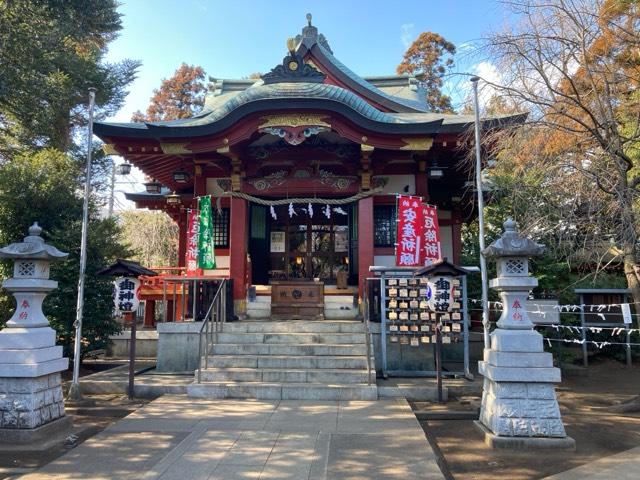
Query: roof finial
x,y
291,45
309,18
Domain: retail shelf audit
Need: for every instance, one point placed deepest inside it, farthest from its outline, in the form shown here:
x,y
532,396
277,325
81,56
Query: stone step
x,y
287,361
342,299
258,313
265,299
288,349
283,391
420,393
295,338
291,375
341,314
292,326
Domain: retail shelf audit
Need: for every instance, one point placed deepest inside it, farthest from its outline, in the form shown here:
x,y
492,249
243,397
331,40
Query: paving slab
x,y
175,437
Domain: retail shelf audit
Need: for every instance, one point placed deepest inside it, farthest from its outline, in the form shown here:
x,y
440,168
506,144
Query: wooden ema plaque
x,y
297,300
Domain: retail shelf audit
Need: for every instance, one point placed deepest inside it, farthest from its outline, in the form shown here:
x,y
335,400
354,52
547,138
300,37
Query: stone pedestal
x,y
31,402
519,405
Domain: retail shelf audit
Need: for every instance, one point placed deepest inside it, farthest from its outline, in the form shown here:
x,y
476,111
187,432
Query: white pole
x,y
74,389
112,187
483,263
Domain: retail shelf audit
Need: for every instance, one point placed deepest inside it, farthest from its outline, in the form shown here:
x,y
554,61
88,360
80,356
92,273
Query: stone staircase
x,y
336,307
294,360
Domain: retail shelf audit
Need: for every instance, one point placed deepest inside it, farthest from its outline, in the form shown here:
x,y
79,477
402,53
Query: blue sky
x,y
234,38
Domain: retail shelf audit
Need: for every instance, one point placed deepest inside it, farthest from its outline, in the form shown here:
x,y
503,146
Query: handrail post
x,y
224,300
367,328
212,325
206,337
200,357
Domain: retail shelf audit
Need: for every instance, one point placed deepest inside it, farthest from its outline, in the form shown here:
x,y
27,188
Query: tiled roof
x,y
412,104
229,100
317,91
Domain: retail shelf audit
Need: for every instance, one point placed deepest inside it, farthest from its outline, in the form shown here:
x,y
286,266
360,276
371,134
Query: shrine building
x,y
303,166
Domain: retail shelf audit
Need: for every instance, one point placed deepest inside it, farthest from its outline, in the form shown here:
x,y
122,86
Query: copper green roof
x,y
405,104
293,96
302,88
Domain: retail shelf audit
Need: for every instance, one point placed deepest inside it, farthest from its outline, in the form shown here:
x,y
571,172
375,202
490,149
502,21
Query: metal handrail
x,y
367,328
212,325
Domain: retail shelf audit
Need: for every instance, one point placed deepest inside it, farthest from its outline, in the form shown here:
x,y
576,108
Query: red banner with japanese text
x,y
193,232
409,248
432,250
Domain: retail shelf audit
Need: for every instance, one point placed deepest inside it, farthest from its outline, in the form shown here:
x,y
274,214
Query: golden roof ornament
x,y
291,45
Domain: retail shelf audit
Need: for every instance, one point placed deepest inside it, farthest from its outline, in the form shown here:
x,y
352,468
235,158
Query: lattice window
x,y
384,224
26,269
221,228
515,266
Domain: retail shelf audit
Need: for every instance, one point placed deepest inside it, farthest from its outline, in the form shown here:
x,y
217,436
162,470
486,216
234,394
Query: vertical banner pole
x,y
465,327
483,263
132,354
439,360
74,389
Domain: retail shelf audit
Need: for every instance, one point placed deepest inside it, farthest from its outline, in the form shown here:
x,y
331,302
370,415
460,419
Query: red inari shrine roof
x,y
310,78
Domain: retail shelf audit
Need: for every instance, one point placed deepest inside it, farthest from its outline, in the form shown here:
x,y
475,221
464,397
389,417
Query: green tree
x,y
429,58
181,96
51,52
151,235
43,187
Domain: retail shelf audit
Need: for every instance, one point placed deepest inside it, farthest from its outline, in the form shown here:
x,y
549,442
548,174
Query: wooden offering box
x,y
297,300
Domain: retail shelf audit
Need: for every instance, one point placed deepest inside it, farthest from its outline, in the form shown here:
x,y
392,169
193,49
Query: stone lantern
x,y
31,403
519,405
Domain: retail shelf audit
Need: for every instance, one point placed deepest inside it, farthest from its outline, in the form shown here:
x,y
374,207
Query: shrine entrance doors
x,y
302,245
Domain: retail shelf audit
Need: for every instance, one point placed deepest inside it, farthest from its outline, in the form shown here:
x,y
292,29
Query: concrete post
x,y
31,403
519,406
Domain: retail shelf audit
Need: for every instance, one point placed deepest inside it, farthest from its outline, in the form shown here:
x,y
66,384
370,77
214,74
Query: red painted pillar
x,y
149,313
182,239
365,241
238,252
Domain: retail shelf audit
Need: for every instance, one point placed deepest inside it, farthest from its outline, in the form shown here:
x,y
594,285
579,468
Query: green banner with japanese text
x,y
206,252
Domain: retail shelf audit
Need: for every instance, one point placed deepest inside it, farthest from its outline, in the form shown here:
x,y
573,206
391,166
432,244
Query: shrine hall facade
x,y
304,166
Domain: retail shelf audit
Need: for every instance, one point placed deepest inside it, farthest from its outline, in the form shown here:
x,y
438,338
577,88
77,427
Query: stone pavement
x,y
623,466
176,437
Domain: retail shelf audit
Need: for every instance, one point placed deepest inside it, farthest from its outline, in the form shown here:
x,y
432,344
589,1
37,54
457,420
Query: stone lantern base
x,y
31,409
31,402
519,405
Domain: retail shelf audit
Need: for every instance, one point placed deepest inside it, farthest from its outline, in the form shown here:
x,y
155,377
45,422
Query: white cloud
x,y
406,35
487,72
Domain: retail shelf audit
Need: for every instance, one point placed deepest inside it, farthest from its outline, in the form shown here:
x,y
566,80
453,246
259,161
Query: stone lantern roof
x,y
512,244
33,247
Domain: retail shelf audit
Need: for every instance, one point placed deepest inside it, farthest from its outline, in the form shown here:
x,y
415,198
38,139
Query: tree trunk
x,y
630,262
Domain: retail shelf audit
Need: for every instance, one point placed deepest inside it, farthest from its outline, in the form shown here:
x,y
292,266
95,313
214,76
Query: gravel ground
x,y
584,402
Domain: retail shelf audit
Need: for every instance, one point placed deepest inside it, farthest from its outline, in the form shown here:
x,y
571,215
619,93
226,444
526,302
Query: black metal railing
x,y
212,325
367,328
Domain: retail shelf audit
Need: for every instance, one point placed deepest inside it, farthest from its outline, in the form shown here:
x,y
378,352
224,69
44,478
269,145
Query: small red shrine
x,y
304,166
